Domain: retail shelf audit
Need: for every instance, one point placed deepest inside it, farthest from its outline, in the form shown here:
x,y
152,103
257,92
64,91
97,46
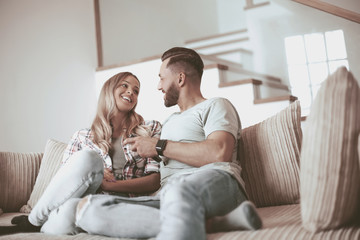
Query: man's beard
x,y
171,96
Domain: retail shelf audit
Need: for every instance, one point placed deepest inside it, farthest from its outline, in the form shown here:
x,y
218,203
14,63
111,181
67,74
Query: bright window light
x,y
298,75
311,58
295,50
335,45
318,72
315,47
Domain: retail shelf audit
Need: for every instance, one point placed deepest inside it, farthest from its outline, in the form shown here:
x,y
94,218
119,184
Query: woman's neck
x,y
118,127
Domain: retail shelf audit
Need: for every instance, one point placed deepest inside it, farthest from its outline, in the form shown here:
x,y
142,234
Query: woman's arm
x,y
146,184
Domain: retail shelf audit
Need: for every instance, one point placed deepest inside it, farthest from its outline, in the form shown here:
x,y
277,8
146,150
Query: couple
x,y
201,186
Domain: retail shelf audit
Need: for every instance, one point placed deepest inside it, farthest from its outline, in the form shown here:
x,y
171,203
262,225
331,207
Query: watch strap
x,y
160,146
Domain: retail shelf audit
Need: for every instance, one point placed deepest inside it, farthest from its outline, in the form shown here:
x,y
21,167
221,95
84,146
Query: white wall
x,y
47,71
231,16
134,29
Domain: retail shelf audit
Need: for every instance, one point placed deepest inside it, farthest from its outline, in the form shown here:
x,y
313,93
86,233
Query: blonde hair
x,y
101,127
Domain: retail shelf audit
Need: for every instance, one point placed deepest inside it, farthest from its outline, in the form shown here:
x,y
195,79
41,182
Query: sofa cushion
x,y
330,173
18,173
270,155
50,164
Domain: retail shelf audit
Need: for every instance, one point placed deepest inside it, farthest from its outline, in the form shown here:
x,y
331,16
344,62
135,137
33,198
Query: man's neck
x,y
189,102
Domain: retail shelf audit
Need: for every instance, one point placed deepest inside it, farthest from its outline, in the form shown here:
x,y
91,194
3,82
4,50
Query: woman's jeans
x,y
179,211
80,176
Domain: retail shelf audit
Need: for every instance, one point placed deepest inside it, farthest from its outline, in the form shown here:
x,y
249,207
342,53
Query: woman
x,y
96,158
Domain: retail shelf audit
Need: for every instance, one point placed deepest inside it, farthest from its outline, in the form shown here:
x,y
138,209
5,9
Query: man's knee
x,y
179,190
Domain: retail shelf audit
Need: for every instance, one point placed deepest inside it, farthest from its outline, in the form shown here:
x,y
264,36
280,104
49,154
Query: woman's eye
x,y
124,85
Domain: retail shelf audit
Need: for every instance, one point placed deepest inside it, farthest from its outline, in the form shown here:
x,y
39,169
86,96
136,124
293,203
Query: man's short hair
x,y
184,59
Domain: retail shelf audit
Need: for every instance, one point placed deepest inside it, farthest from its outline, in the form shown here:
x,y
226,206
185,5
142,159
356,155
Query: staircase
x,y
255,96
228,73
229,57
231,46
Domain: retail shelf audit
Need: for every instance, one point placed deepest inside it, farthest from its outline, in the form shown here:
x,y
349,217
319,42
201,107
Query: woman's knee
x,y
88,160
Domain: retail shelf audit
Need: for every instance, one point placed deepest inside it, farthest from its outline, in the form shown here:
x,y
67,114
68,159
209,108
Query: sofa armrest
x,y
18,172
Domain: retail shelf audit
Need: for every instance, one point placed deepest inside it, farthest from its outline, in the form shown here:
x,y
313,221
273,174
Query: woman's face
x,y
126,94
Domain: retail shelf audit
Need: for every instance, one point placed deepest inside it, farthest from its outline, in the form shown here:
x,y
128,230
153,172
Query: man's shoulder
x,y
219,102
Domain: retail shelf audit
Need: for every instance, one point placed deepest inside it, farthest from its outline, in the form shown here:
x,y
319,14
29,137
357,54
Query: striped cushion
x,y
50,164
330,173
18,172
359,151
270,155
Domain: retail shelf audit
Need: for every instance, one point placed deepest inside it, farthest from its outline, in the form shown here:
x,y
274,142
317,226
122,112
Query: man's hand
x,y
144,146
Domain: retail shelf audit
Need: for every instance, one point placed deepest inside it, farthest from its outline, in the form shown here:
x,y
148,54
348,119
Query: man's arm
x,y
218,147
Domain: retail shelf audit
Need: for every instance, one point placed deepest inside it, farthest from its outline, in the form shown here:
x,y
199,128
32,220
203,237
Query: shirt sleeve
x,y
152,165
73,146
222,116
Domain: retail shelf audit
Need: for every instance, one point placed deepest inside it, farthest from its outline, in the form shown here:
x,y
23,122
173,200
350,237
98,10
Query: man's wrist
x,y
160,146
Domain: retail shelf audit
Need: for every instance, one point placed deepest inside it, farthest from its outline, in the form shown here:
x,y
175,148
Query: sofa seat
x,y
279,222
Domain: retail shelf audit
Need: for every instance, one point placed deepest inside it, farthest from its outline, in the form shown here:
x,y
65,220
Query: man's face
x,y
167,85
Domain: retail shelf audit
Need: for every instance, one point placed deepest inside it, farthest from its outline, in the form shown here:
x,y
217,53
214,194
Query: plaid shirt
x,y
135,165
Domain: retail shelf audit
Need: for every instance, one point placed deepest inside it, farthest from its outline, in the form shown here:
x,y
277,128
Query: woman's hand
x,y
108,180
108,175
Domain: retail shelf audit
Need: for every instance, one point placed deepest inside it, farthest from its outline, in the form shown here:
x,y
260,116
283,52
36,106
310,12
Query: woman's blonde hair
x,y
101,127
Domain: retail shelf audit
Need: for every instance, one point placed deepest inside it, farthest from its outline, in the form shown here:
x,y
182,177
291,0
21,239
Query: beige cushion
x,y
18,173
50,164
270,155
329,161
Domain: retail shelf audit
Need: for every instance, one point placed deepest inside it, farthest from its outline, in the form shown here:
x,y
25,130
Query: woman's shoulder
x,y
83,133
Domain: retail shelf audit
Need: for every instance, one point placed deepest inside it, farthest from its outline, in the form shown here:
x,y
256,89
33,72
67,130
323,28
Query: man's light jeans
x,y
80,176
185,203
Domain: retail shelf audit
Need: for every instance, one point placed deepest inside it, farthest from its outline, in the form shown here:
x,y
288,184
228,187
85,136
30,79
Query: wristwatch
x,y
160,146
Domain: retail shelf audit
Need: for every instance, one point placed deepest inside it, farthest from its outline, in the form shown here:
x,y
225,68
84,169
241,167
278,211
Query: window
x,y
311,58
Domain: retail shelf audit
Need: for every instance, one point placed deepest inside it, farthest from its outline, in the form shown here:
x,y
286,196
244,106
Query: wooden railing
x,y
329,8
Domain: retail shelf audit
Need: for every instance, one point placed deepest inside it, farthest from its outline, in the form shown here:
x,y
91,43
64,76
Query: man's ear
x,y
182,79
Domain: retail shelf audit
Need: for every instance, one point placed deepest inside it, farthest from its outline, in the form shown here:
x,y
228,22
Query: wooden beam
x,y
250,4
289,98
216,36
223,43
98,33
329,8
240,82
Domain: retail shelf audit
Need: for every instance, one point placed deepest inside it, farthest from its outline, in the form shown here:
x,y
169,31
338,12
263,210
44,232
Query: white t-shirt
x,y
195,125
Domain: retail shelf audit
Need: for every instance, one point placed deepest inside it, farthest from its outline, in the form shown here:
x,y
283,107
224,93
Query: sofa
x,y
303,177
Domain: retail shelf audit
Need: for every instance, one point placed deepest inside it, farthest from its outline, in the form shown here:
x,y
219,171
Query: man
x,y
199,172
